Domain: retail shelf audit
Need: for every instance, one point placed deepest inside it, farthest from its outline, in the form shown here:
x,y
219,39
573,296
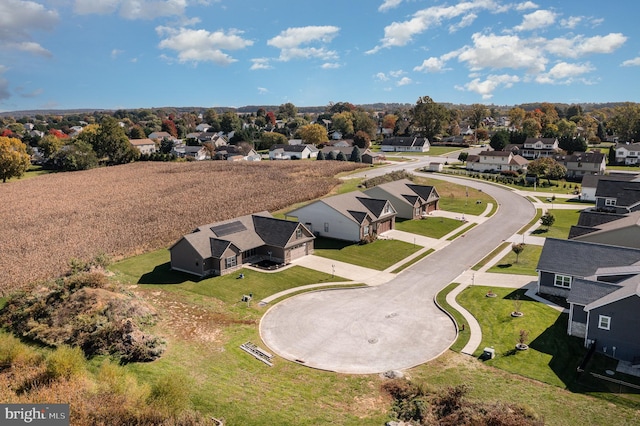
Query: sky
x,y
113,54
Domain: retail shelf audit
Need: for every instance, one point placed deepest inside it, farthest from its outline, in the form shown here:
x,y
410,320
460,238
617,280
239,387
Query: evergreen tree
x,y
356,155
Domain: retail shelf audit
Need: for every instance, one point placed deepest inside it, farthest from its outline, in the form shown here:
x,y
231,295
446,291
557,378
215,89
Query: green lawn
x,y
463,335
490,256
412,261
432,227
433,150
33,171
527,262
378,255
458,198
152,270
560,228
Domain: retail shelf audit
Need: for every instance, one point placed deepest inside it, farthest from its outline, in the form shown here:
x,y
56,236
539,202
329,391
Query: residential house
x,y
580,164
589,183
405,144
539,147
602,286
336,135
145,146
197,153
627,153
410,200
202,127
618,196
236,153
352,216
496,161
223,247
370,157
622,231
435,166
161,136
292,152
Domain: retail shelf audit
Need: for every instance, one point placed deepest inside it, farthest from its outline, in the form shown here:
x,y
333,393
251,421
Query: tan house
x,y
497,161
145,146
410,200
580,164
223,247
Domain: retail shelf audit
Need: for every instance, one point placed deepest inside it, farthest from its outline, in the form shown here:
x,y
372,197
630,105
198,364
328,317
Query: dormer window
x,y
610,202
298,233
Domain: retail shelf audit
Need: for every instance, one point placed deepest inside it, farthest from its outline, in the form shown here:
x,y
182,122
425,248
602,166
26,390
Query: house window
x,y
298,233
604,322
326,227
610,202
231,261
563,281
388,209
365,230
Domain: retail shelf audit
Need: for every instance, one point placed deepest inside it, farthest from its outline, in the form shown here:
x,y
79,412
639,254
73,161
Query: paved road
x,y
394,325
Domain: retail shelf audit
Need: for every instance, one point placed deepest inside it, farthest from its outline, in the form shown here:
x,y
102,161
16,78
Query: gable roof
x,y
626,193
405,141
581,157
628,288
412,193
583,259
244,233
356,206
627,221
584,292
142,142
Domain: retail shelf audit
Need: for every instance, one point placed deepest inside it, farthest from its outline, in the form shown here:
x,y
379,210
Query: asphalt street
x,y
395,325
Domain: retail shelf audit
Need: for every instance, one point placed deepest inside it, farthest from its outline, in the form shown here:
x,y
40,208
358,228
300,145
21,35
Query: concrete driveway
x,y
394,325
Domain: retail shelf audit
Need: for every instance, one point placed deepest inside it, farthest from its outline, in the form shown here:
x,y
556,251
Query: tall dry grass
x,y
129,209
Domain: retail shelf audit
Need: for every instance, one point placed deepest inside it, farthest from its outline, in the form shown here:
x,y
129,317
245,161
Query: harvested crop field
x,y
125,210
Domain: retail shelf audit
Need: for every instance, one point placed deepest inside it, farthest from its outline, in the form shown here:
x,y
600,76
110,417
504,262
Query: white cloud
x,y
389,4
201,45
290,41
401,33
509,51
115,53
571,22
487,87
404,81
535,20
526,5
131,9
381,77
330,65
466,21
260,64
635,62
580,45
18,18
262,91
431,65
564,72
32,94
397,73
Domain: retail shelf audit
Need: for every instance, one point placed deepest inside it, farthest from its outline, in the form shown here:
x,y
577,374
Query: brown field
x,y
125,210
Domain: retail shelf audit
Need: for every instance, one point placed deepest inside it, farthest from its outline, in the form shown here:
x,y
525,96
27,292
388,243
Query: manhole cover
x,y
391,315
372,341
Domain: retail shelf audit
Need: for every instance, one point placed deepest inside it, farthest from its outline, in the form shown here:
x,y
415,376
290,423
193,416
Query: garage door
x,y
384,226
298,251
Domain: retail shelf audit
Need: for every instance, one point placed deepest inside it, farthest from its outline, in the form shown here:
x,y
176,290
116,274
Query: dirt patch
x,y
187,321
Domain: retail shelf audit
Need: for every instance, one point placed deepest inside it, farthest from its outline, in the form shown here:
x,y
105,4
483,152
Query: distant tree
x,y
286,111
170,127
230,122
137,132
428,117
268,139
211,117
320,156
477,114
271,118
547,167
572,144
330,156
517,248
341,156
79,155
463,156
389,121
612,155
14,160
362,140
531,127
110,142
547,220
356,155
50,145
362,122
482,134
626,122
499,140
166,146
516,117
340,107
314,134
343,122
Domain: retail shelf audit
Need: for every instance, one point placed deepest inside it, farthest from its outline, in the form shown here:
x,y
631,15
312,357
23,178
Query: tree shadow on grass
x,y
539,231
504,265
163,274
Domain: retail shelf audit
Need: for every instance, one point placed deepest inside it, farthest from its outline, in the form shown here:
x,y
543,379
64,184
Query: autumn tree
x,y
79,155
362,140
169,127
314,134
547,167
517,248
343,122
477,114
428,117
137,132
230,122
531,127
50,145
14,160
362,122
286,111
110,142
268,139
516,117
389,121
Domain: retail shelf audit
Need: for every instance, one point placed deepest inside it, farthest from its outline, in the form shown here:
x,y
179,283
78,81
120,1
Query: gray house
x,y
602,286
411,201
618,196
223,247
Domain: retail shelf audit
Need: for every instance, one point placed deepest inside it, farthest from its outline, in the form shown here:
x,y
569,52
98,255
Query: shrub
x,y
65,362
171,394
13,352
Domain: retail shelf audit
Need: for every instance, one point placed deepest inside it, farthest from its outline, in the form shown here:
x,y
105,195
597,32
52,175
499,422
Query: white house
x,y
145,146
497,161
628,153
405,144
292,152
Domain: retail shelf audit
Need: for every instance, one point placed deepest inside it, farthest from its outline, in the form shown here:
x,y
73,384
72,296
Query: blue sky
x,y
109,54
